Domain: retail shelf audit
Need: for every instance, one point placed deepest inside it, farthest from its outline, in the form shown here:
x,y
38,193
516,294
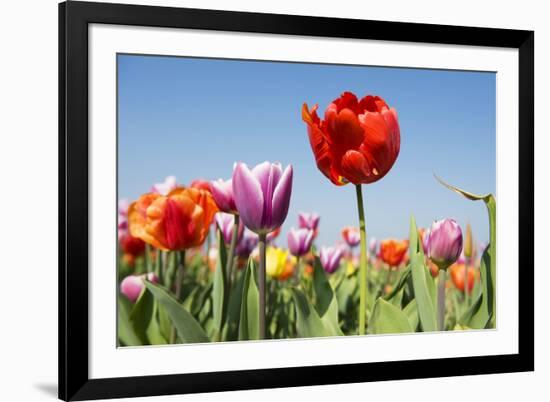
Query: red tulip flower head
x,y
358,141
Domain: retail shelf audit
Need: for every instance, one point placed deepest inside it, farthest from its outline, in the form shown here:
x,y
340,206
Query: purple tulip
x,y
299,241
166,186
330,258
122,218
132,285
222,191
248,242
262,195
444,243
226,222
308,220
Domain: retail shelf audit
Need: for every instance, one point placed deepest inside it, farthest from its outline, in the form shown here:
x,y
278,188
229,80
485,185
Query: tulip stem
x,y
179,283
441,301
261,285
231,254
466,298
362,263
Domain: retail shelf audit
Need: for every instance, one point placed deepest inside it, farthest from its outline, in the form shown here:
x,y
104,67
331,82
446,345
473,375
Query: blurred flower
x,y
132,285
212,258
276,259
248,242
288,271
200,184
330,258
434,270
393,252
132,247
444,243
299,241
222,191
468,242
423,235
271,236
122,226
373,245
351,235
262,195
457,275
166,186
226,222
177,221
358,141
309,221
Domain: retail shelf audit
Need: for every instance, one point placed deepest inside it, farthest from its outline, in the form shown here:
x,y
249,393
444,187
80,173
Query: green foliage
x,y
249,325
220,291
386,318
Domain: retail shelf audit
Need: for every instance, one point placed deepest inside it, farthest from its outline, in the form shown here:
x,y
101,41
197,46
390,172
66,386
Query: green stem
x,y
297,271
179,283
148,262
261,285
441,301
491,208
231,254
466,287
362,263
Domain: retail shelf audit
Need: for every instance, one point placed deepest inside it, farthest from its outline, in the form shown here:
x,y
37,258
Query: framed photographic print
x,y
257,200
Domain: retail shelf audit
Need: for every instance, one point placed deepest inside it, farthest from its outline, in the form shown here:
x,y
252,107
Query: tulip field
x,y
207,261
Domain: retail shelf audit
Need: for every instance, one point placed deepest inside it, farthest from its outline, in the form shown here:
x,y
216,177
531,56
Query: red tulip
x,y
358,141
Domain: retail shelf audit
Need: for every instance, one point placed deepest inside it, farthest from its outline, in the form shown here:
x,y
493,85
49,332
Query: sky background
x,y
193,118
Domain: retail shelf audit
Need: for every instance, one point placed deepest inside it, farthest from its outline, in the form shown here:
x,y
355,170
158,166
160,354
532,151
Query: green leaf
x,y
141,315
401,282
231,329
422,290
189,330
154,332
308,322
411,312
488,273
126,334
325,299
219,294
388,319
478,315
249,323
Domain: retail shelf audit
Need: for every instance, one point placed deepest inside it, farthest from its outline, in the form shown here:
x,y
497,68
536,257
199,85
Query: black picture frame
x,y
74,18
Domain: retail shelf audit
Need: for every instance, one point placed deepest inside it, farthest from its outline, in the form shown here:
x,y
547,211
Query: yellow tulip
x,y
276,259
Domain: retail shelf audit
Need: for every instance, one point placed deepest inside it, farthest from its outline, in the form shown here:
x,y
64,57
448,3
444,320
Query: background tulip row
x,y
311,291
202,263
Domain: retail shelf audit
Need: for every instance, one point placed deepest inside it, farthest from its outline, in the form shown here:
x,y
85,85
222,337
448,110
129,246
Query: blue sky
x,y
193,118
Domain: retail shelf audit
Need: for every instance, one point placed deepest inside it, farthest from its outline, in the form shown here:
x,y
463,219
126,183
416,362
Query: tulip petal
x,y
355,167
249,198
281,198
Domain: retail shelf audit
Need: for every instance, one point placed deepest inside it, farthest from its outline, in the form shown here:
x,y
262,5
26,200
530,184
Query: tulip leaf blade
x,y
308,322
141,314
401,282
388,319
231,328
249,323
420,277
125,331
480,312
219,292
489,279
188,329
326,303
411,311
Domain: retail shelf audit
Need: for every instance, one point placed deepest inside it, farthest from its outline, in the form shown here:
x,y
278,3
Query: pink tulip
x,y
222,191
299,241
132,285
444,243
226,222
166,186
308,221
330,258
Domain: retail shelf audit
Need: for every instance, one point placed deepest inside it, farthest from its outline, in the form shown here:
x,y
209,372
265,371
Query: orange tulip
x,y
457,275
392,252
177,221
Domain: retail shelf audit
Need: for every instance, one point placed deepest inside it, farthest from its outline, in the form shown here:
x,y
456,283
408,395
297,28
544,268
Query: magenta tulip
x,y
262,195
330,258
132,285
351,236
222,191
299,241
225,222
444,243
